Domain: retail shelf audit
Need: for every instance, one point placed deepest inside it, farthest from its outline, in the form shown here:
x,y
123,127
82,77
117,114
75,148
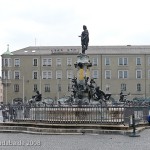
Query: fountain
x,y
84,89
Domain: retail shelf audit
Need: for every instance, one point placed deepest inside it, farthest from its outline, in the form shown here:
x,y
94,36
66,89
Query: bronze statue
x,y
84,39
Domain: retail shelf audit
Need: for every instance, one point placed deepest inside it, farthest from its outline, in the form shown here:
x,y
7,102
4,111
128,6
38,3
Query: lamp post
x,y
58,79
40,84
6,90
23,89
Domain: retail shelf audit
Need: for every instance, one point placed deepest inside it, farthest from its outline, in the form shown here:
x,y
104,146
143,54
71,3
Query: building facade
x,y
1,90
49,69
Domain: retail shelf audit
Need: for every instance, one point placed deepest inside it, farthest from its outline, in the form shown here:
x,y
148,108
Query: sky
x,y
26,23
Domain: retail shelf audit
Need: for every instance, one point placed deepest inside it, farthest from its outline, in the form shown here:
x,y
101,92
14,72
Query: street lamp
x,y
6,90
58,88
23,89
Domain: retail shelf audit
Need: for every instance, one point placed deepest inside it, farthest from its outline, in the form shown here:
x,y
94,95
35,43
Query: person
x,y
4,113
121,97
10,111
84,39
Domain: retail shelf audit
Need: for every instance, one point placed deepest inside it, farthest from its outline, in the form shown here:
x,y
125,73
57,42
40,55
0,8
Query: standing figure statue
x,y
84,39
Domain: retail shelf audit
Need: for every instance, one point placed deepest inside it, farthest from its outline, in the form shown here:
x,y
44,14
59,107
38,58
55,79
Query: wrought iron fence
x,y
78,115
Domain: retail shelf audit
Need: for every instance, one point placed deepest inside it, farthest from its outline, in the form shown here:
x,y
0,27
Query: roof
x,y
51,50
47,50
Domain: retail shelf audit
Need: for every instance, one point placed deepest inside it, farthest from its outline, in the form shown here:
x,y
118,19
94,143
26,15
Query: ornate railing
x,y
78,115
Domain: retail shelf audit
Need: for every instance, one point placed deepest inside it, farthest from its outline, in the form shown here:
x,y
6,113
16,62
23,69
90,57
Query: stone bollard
x,y
132,124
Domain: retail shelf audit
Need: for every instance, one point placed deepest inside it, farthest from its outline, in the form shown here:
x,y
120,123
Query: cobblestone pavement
x,y
74,142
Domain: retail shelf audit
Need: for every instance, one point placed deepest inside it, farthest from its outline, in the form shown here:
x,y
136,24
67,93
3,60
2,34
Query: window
x,y
47,87
46,62
35,62
123,87
35,75
35,88
49,62
16,62
107,88
16,75
58,61
58,74
138,74
107,61
149,61
59,87
16,87
6,74
138,61
107,74
95,74
95,62
69,61
6,62
44,75
123,61
47,75
69,74
138,87
149,74
122,74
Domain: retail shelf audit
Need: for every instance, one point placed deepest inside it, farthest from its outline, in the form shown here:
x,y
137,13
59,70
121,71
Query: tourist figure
x,y
121,97
84,39
4,113
10,111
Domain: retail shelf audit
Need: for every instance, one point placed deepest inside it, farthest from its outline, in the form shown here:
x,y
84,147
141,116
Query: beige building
x,y
1,90
49,69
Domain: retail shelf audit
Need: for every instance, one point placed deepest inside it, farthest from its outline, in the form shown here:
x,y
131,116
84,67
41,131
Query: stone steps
x,y
65,129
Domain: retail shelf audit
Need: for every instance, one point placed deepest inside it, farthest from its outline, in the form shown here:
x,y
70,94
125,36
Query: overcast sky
x,y
59,22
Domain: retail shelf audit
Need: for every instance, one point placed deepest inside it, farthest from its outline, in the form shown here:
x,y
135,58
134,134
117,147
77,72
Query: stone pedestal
x,y
81,88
